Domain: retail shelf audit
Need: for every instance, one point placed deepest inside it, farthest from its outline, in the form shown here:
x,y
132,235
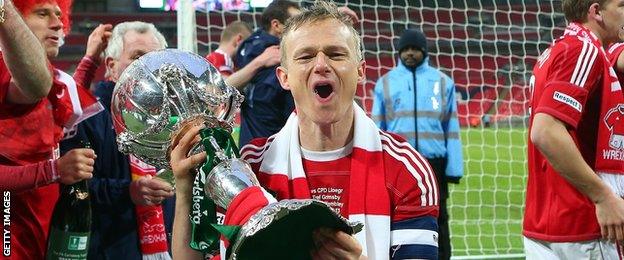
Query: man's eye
x,y
305,57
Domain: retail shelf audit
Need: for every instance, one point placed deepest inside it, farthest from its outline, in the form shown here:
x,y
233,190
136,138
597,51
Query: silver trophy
x,y
162,91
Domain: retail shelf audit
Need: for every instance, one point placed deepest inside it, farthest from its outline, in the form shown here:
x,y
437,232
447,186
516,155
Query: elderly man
x,y
120,191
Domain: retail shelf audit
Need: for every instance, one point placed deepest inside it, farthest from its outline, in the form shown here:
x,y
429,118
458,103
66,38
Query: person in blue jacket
x,y
267,105
417,102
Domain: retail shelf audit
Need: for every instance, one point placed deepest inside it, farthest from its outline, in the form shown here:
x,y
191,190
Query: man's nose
x,y
55,22
320,66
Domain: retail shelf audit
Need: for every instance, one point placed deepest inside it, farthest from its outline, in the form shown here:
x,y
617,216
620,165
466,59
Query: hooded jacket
x,y
421,104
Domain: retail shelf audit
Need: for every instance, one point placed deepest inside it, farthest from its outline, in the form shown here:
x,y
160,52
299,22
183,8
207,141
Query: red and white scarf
x,y
369,202
150,219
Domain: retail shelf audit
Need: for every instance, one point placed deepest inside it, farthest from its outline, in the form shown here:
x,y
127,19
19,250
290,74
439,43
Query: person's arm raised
x,y
25,58
270,57
182,164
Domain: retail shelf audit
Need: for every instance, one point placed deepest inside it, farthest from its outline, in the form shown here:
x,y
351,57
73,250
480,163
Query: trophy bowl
x,y
161,91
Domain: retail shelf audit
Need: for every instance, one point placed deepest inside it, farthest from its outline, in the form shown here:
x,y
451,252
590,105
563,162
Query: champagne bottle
x,y
71,223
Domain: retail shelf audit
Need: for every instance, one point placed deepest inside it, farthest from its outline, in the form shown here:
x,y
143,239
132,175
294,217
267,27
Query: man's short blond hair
x,y
233,29
320,11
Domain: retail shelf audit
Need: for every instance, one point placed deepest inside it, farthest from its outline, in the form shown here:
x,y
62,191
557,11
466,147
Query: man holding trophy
x,y
329,150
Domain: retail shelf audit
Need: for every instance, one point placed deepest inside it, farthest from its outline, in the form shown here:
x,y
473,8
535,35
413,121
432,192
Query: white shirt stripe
x,y
253,150
591,63
579,62
421,162
414,237
586,65
424,201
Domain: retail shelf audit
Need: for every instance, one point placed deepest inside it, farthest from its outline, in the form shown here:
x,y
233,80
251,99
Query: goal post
x,y
488,47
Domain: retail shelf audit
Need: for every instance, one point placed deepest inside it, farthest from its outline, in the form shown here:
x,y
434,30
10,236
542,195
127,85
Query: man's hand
x,y
610,215
181,163
349,12
98,40
76,165
149,191
334,244
269,57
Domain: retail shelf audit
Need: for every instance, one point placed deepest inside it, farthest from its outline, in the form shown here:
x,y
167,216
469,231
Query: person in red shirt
x,y
231,37
570,212
328,150
221,58
34,110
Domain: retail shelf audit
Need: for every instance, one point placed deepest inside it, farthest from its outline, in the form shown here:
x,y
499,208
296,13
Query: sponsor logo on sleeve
x,y
568,100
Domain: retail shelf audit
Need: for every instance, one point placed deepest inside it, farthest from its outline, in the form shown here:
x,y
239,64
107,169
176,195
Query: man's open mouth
x,y
323,90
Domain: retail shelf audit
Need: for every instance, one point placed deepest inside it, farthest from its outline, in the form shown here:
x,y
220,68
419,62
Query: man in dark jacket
x,y
267,105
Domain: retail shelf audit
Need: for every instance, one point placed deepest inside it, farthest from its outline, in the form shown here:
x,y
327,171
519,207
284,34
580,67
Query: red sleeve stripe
x,y
412,161
584,63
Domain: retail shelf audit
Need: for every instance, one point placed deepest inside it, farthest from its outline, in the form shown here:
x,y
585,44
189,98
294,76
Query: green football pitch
x,y
486,207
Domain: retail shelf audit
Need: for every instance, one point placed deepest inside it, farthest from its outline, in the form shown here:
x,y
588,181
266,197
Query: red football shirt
x,y
29,134
410,190
568,81
328,177
222,62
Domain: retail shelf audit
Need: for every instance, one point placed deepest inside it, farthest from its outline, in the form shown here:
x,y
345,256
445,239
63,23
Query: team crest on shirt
x,y
614,120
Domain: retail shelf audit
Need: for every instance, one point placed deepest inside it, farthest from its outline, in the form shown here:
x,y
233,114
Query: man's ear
x,y
361,71
110,68
275,25
594,13
238,39
282,76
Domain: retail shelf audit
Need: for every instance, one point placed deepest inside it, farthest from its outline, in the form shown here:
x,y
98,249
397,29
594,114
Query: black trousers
x,y
444,239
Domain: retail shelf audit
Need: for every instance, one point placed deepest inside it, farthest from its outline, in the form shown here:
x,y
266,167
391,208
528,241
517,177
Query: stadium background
x,y
488,47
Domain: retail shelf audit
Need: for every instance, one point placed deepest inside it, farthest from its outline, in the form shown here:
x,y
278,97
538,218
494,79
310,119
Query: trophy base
x,y
283,230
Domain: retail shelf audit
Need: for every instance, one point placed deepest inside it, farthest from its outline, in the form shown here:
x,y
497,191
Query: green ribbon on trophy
x,y
205,230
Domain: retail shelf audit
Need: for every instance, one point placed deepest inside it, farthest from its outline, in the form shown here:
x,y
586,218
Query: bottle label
x,y
67,245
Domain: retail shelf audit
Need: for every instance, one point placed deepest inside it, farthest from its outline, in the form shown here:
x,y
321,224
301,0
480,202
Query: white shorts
x,y
592,249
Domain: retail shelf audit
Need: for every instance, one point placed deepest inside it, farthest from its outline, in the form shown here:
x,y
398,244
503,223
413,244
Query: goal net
x,y
488,47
